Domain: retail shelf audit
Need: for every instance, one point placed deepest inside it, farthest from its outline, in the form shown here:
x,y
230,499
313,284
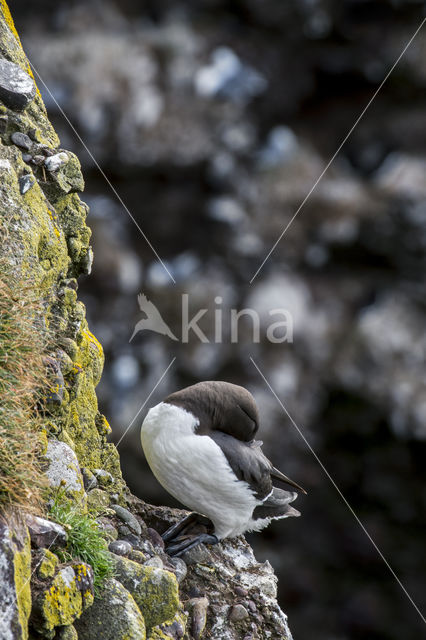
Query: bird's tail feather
x,y
277,505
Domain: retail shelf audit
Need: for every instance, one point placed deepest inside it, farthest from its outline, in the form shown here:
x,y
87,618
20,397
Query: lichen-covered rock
x,y
63,600
228,594
45,220
65,176
155,590
170,630
46,564
15,574
97,500
17,88
66,633
64,471
113,616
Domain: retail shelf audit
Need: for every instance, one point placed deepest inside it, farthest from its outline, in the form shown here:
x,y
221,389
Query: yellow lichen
x,y
22,575
10,23
47,565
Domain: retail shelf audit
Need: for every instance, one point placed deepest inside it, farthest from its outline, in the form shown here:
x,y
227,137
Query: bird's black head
x,y
220,406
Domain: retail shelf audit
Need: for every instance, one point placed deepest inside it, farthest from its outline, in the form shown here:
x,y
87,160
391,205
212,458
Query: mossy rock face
x,y
47,564
15,575
155,590
34,116
63,600
113,616
48,242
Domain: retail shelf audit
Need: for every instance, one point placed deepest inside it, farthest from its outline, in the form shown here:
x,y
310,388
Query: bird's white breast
x,y
194,469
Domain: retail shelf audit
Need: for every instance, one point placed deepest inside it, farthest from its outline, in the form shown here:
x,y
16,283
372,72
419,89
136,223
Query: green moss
x,y
155,590
97,500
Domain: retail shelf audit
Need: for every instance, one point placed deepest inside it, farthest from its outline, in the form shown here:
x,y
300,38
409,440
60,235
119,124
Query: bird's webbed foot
x,y
192,523
176,529
180,546
194,529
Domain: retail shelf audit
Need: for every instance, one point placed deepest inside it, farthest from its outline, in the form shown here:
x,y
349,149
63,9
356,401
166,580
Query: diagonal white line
x,y
351,130
102,172
128,427
339,492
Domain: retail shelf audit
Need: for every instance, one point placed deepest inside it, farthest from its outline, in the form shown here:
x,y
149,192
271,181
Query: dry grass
x,y
22,377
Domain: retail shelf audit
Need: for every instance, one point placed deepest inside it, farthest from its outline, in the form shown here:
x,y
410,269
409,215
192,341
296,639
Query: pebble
x,y
89,479
137,556
21,140
252,606
38,160
53,163
199,616
179,568
135,541
124,530
155,538
128,518
27,157
46,151
108,529
120,547
155,561
103,477
198,555
25,183
241,592
33,134
17,88
238,613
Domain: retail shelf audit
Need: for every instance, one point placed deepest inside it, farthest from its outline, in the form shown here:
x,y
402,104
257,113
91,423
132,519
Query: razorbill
x,y
199,443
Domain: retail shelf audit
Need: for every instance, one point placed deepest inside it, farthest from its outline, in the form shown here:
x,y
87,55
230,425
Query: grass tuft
x,y
85,541
22,377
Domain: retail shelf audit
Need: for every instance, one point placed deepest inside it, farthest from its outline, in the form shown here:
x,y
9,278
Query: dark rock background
x,y
213,169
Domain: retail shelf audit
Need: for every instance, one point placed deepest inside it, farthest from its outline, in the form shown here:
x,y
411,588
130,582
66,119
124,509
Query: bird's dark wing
x,y
247,462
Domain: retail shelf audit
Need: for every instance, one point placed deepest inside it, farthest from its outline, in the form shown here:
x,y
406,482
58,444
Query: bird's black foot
x,y
173,531
191,520
177,548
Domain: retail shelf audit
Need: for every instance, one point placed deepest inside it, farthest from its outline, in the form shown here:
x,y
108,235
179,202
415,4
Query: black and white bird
x,y
199,443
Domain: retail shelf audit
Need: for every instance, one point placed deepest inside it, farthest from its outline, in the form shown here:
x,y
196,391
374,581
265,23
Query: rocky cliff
x,y
80,557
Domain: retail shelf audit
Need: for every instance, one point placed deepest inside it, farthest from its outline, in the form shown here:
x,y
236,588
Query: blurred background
x,y
213,120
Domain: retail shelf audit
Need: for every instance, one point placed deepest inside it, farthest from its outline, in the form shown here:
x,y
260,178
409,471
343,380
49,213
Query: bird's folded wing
x,y
247,462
